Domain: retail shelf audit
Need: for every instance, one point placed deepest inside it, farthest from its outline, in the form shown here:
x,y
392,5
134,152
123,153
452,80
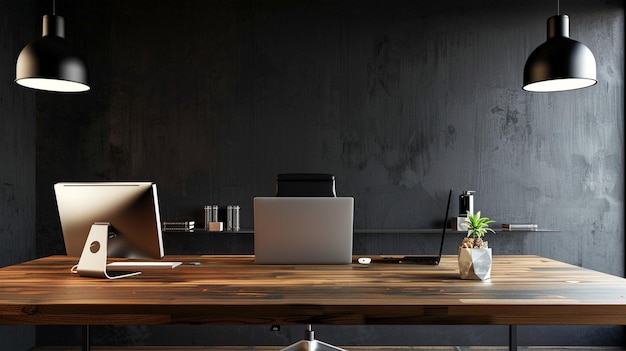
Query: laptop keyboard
x,y
425,260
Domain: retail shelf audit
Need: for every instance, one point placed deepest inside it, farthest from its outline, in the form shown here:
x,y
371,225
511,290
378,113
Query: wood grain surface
x,y
234,290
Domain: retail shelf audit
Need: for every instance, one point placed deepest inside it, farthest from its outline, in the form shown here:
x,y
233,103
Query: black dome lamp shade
x,y
560,63
50,63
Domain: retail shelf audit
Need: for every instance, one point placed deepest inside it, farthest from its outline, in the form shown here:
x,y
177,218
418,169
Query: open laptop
x,y
422,259
303,230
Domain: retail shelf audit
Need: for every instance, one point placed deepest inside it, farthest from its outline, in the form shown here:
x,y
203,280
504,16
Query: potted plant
x,y
474,252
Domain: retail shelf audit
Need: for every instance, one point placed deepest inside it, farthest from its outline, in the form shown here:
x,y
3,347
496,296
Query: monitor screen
x,y
131,209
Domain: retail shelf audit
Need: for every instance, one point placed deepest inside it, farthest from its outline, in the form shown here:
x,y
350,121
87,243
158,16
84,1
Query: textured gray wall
x,y
17,155
401,100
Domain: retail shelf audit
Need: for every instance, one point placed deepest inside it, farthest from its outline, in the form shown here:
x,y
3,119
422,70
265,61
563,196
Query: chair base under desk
x,y
310,344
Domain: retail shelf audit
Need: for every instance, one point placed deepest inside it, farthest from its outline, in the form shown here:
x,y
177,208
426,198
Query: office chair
x,y
305,184
316,185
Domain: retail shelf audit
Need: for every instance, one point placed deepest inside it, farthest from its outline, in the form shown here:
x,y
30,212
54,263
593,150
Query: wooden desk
x,y
233,290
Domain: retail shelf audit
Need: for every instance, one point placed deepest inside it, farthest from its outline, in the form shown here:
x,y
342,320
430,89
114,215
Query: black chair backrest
x,y
305,184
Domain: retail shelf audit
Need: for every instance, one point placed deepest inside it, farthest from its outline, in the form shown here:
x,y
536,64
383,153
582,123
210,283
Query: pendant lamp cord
x,y
558,7
54,7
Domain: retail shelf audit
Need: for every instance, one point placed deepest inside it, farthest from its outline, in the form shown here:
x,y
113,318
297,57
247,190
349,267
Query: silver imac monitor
x,y
109,219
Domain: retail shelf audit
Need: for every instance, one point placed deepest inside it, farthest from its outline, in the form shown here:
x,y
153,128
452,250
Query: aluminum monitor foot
x,y
93,260
310,344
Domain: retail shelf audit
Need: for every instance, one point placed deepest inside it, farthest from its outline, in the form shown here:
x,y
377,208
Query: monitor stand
x,y
310,344
93,260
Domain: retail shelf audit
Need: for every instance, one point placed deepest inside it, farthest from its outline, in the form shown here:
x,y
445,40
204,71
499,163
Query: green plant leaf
x,y
478,226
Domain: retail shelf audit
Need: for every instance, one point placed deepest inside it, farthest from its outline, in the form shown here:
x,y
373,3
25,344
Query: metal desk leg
x,y
512,337
86,342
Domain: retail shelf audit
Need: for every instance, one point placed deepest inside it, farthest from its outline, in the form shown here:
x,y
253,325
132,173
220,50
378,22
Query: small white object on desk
x,y
364,260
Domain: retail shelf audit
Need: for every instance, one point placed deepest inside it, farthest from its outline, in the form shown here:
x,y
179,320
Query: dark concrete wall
x,y
401,100
18,24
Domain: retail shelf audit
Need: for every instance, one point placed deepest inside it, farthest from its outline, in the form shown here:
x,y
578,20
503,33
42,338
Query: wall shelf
x,y
438,231
368,231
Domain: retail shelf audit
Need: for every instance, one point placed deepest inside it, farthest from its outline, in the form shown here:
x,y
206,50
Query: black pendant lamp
x,y
560,63
51,63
